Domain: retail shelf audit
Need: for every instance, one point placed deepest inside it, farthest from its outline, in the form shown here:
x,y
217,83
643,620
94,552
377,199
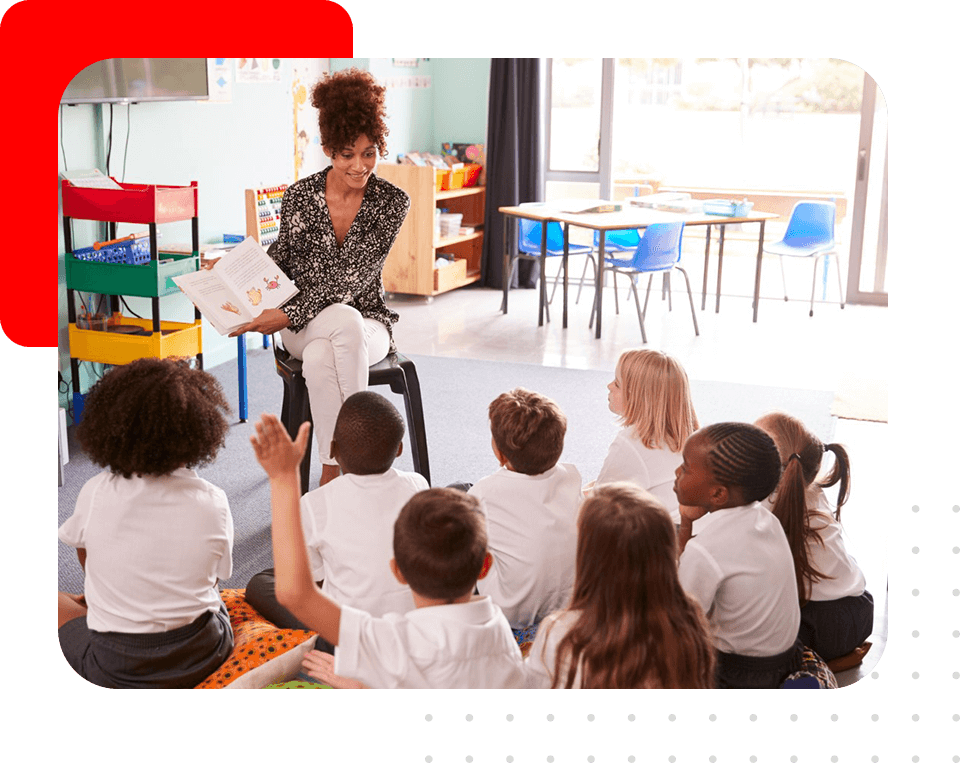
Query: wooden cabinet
x,y
409,268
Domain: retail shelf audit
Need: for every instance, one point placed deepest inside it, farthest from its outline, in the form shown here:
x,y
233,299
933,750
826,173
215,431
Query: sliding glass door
x,y
866,281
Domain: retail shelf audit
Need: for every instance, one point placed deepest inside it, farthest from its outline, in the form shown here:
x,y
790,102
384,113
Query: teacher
x,y
336,229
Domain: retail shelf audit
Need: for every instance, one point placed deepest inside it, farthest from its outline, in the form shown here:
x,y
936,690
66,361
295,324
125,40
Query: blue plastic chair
x,y
614,241
658,252
531,233
810,233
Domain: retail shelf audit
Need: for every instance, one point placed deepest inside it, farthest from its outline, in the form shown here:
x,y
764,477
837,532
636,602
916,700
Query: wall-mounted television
x,y
137,80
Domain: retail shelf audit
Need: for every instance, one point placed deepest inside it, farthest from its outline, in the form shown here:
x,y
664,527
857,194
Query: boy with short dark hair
x,y
348,522
531,505
453,639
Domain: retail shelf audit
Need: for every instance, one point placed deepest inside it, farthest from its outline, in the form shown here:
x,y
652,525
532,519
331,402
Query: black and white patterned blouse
x,y
325,272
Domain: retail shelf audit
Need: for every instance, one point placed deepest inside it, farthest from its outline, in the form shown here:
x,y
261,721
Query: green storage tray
x,y
152,279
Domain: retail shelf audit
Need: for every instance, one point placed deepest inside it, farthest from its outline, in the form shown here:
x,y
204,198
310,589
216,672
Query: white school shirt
x,y
156,547
348,530
831,558
532,536
539,665
653,469
448,646
740,570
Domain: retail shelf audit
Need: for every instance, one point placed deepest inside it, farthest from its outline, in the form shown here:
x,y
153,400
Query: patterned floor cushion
x,y
525,637
262,652
813,674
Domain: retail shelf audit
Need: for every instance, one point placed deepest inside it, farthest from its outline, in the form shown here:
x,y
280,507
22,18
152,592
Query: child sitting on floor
x,y
152,536
452,639
836,610
650,393
348,522
531,505
739,567
630,624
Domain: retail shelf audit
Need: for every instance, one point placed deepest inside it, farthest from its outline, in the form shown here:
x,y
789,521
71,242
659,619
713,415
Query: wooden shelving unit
x,y
409,268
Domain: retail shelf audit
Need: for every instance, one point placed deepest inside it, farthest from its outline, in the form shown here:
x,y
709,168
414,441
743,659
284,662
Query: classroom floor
x,y
785,348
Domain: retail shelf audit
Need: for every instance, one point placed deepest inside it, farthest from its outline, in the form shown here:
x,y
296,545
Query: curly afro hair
x,y
153,416
351,104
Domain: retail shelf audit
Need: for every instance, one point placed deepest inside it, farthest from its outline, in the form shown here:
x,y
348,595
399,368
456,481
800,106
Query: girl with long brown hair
x,y
629,624
836,610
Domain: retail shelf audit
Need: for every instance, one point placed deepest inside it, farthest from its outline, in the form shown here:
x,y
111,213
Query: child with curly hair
x,y
630,624
531,505
152,536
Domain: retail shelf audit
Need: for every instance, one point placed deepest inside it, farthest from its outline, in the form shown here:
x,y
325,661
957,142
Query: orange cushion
x,y
256,640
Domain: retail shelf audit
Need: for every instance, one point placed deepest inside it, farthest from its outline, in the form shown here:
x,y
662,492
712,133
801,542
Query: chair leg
x,y
590,261
418,432
636,298
813,289
843,297
783,276
693,312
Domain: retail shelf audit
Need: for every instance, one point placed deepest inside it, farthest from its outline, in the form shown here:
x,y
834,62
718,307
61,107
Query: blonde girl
x,y
650,393
629,624
836,610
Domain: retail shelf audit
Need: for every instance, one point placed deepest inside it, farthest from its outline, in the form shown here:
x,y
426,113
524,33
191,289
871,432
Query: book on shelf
x,y
241,284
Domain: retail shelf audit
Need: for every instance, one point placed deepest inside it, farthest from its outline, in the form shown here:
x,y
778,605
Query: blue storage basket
x,y
134,252
727,207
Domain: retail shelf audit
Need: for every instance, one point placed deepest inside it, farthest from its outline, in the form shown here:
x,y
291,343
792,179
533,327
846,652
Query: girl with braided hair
x,y
836,610
739,566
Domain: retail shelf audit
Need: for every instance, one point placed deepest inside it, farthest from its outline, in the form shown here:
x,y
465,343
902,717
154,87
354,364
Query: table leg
x,y
723,230
506,267
706,270
566,255
756,280
600,263
543,271
242,375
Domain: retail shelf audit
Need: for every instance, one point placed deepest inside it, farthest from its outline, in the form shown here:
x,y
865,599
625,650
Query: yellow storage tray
x,y
115,349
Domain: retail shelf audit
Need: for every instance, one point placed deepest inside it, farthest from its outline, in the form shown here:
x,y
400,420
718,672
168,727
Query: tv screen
x,y
135,80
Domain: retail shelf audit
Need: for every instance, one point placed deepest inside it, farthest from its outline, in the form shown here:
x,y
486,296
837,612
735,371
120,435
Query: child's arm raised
x,y
280,458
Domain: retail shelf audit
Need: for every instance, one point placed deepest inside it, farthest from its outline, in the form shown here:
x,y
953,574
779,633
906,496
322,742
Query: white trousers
x,y
336,347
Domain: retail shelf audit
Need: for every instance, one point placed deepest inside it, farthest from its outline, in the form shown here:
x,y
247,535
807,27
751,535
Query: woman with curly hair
x,y
152,536
336,229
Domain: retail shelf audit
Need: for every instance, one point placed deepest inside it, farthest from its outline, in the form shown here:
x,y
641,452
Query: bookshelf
x,y
409,268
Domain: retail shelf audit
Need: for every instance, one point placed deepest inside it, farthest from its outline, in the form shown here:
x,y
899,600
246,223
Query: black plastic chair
x,y
396,370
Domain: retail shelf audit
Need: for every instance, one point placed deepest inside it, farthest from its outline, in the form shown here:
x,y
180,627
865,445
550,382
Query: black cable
x,y
126,145
110,140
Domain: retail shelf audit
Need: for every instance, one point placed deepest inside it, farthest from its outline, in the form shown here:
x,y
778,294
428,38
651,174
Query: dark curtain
x,y
513,172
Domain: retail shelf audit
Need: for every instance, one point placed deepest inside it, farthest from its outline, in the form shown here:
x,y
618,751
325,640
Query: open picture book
x,y
242,284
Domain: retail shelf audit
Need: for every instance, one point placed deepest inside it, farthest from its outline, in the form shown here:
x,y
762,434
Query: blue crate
x,y
134,252
727,207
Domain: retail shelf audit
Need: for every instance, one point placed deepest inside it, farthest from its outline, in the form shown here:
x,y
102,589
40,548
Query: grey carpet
x,y
456,393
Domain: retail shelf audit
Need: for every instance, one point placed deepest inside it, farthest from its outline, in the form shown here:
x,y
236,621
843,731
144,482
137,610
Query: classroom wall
x,y
245,142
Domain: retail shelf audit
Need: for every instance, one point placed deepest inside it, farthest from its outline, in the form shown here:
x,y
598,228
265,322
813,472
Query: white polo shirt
x,y
831,558
348,529
532,535
156,547
739,568
653,469
449,646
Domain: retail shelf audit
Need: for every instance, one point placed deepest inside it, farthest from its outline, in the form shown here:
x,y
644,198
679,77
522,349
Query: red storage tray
x,y
132,203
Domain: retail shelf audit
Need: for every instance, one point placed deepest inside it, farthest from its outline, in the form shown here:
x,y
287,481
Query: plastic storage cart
x,y
123,270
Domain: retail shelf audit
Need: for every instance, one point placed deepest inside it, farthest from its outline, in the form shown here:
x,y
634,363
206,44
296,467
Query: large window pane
x,y
575,114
